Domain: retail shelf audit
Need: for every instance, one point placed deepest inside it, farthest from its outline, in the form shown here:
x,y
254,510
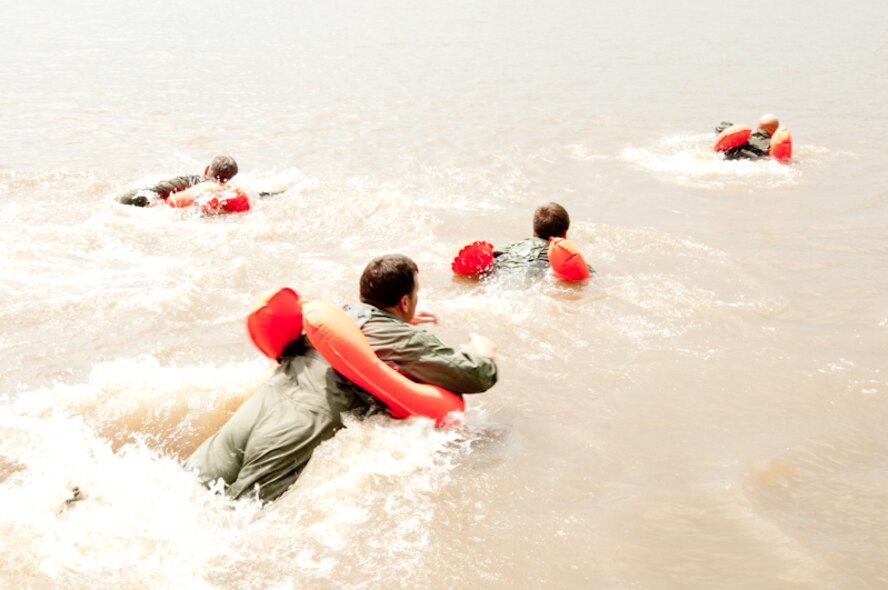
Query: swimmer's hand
x,y
480,345
423,317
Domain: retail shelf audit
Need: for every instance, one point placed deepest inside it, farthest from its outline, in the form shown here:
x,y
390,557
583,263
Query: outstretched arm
x,y
173,185
423,357
144,197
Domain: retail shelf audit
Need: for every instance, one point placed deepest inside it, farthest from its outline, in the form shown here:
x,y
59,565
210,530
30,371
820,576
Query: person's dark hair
x,y
550,221
386,279
222,168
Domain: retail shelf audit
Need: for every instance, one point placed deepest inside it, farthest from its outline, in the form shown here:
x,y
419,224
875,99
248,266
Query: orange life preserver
x,y
733,136
276,323
473,258
781,145
566,261
211,197
344,346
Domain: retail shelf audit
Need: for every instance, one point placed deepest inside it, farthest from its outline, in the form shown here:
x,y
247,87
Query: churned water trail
x,y
707,411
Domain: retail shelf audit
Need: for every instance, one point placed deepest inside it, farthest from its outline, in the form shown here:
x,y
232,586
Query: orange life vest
x,y
344,346
733,136
566,261
211,197
781,145
276,323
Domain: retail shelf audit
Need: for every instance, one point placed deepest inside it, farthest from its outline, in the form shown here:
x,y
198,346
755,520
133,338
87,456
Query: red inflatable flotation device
x,y
781,145
344,346
211,197
276,323
733,136
566,261
473,258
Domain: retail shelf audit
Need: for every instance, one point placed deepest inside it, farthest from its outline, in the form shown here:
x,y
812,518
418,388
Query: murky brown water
x,y
708,412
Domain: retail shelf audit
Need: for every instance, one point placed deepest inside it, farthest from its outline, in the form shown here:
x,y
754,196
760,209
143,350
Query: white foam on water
x,y
119,439
376,485
169,406
652,289
582,153
688,160
140,516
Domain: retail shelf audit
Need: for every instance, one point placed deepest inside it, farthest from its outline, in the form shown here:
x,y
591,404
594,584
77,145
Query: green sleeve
x,y
423,357
461,372
173,185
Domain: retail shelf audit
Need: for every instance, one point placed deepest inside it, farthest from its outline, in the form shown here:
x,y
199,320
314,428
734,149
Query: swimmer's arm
x,y
189,194
428,360
174,185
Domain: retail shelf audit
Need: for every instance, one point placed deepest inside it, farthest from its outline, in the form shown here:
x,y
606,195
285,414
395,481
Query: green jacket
x,y
523,262
271,437
144,197
529,257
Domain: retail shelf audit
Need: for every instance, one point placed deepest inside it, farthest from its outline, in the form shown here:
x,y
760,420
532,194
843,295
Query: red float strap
x,y
276,323
781,145
733,136
566,261
473,258
344,346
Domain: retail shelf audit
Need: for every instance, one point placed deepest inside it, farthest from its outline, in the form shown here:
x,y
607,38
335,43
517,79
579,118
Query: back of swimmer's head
x,y
222,169
386,279
769,123
550,220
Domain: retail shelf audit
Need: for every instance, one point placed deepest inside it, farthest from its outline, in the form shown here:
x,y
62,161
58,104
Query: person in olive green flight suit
x,y
221,170
264,447
759,143
529,258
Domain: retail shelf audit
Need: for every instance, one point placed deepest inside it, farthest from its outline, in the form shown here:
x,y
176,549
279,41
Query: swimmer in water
x,y
266,444
759,143
219,172
530,257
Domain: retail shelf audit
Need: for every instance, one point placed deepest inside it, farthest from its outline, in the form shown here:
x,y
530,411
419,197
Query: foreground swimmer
x,y
759,143
221,170
530,256
263,448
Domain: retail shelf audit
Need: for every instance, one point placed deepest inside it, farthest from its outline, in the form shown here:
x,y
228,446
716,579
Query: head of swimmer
x,y
391,283
550,220
221,169
769,123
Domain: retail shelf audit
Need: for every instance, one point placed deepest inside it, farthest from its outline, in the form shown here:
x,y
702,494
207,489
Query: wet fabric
x,y
145,197
265,445
757,146
528,258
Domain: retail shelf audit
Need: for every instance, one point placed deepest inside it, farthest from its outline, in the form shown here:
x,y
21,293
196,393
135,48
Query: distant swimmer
x,y
261,451
220,171
740,142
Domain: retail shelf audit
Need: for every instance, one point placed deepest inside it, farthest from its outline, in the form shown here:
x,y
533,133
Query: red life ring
x,y
344,346
276,322
473,258
733,136
566,261
211,197
781,145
